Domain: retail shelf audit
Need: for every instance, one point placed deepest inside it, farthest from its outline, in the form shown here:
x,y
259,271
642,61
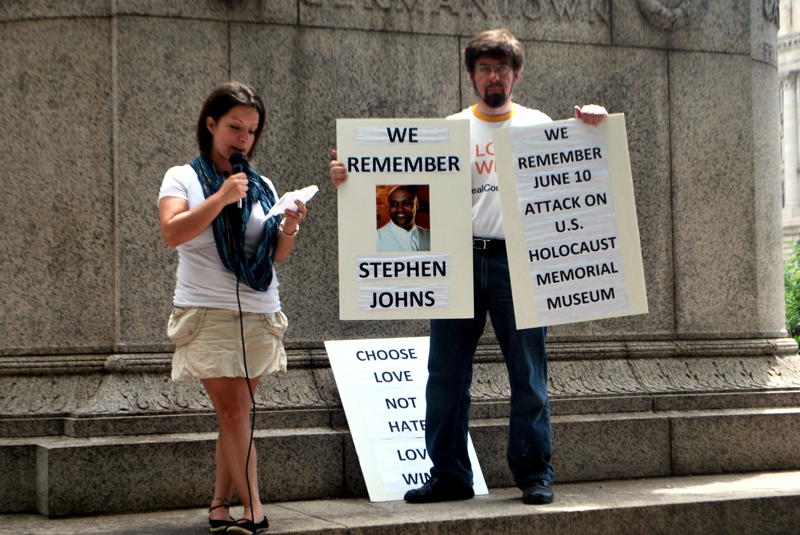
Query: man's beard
x,y
493,100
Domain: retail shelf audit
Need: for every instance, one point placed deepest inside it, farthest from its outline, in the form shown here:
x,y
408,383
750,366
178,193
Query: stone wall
x,y
100,98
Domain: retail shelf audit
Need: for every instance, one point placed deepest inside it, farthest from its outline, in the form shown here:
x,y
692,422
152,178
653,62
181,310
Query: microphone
x,y
238,163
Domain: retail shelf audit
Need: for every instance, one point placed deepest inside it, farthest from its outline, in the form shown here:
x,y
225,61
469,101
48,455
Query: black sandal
x,y
220,526
245,526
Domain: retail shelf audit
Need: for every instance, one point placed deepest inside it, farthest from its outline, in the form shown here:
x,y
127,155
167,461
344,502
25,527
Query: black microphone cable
x,y
239,164
250,445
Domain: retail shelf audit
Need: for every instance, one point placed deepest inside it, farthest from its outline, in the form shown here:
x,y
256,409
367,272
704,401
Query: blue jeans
x,y
452,347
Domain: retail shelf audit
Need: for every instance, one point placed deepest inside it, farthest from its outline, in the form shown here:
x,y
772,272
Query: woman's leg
x,y
223,486
232,405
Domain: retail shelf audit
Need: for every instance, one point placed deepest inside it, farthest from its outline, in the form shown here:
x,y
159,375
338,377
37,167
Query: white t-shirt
x,y
202,279
487,218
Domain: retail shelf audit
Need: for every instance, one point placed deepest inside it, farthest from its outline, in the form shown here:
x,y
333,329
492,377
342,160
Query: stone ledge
x,y
752,503
33,364
102,425
586,447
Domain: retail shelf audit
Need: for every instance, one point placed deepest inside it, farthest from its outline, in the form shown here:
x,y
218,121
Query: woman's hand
x,y
591,114
290,224
292,218
233,188
337,171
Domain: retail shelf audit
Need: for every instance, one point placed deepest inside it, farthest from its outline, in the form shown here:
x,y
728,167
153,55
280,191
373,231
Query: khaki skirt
x,y
208,343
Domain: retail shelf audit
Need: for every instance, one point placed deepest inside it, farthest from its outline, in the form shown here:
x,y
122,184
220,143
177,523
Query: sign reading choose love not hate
x,y
382,386
405,249
569,216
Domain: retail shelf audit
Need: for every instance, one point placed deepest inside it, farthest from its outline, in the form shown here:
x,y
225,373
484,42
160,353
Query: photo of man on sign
x,y
406,207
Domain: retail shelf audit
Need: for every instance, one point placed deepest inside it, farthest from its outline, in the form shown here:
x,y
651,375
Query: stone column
x,y
790,136
791,179
792,157
789,66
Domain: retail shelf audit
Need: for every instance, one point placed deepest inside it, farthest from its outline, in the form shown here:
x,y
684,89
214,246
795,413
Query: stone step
x,y
757,503
61,476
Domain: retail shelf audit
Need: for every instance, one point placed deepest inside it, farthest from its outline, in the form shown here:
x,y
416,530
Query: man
x,y
401,233
494,60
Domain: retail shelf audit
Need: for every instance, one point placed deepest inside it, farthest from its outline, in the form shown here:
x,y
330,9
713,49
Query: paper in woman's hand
x,y
287,200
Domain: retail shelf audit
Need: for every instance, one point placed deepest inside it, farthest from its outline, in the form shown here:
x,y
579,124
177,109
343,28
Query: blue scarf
x,y
230,225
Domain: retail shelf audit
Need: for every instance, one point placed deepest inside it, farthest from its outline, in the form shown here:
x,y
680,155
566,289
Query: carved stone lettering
x,y
568,11
384,5
449,5
477,8
672,14
601,9
533,9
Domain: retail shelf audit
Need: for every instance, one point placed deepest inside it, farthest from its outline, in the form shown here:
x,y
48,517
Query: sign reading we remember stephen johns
x,y
569,216
405,228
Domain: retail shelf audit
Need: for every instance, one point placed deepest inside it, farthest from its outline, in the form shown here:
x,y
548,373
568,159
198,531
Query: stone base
x,y
115,434
59,476
745,504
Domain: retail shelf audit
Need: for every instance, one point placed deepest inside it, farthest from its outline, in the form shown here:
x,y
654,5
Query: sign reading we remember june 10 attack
x,y
569,216
382,386
405,228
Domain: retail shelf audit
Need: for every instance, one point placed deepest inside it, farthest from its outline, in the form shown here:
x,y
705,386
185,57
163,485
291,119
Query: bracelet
x,y
283,234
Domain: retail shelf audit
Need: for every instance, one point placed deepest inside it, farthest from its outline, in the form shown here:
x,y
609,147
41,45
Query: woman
x,y
216,219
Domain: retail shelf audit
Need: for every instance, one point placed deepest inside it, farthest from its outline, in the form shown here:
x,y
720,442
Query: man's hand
x,y
591,114
337,171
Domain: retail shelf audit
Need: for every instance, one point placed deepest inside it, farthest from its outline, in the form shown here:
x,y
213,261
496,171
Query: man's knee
x,y
530,402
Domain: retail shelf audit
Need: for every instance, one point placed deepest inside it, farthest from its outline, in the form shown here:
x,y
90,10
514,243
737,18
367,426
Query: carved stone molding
x,y
51,364
134,363
655,376
89,386
102,404
138,363
786,80
671,15
155,393
30,395
638,349
772,13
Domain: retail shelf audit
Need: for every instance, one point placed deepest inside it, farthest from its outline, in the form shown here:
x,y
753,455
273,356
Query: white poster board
x,y
569,216
382,386
383,274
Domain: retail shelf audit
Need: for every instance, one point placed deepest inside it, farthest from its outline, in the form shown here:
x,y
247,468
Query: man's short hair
x,y
498,44
411,189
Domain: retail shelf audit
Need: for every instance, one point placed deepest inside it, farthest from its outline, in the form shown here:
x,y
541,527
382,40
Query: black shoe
x,y
438,489
245,526
220,526
537,492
